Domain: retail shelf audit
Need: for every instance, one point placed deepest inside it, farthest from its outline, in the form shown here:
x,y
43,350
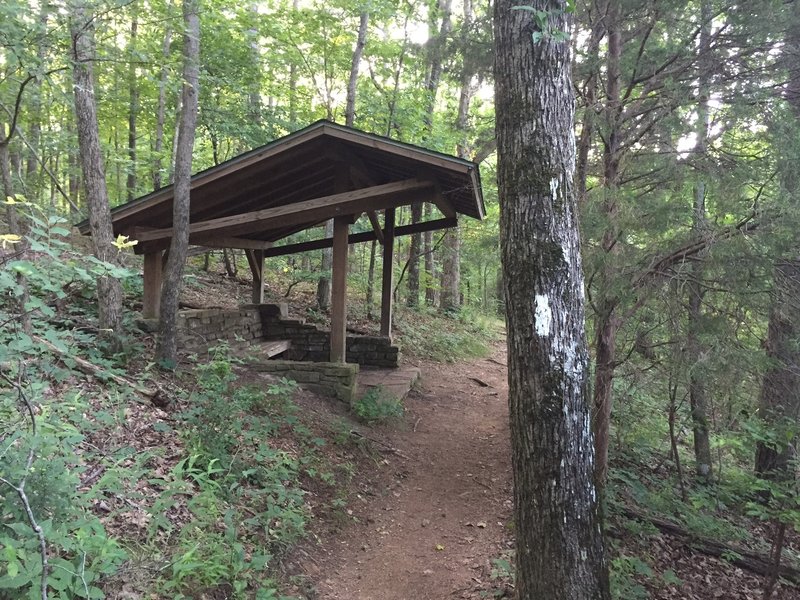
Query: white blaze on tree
x,y
559,544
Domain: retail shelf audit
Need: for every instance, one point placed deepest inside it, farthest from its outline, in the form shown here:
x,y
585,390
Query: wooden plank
x,y
274,347
399,149
151,300
339,290
364,236
387,283
234,242
444,205
376,225
308,211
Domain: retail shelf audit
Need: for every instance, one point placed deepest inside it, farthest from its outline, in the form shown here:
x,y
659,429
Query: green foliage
x,y
246,501
445,339
378,406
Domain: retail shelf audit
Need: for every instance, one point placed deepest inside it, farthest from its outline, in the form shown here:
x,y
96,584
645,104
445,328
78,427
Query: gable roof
x,y
312,163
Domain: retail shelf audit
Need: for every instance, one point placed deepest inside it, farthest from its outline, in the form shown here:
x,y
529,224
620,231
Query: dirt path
x,y
438,512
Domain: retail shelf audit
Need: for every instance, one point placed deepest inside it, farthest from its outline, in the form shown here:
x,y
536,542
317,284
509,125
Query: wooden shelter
x,y
325,171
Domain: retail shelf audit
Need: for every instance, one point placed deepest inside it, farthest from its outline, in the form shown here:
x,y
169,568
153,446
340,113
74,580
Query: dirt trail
x,y
441,508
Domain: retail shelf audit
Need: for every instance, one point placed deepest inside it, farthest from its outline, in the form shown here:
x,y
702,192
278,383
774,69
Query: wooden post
x,y
255,258
151,301
341,226
387,282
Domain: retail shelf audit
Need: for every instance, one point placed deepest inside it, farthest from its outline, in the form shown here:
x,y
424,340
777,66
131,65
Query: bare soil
x,y
438,507
429,518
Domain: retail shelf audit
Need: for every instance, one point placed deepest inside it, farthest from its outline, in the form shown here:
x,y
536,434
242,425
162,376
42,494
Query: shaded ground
x,y
438,508
434,513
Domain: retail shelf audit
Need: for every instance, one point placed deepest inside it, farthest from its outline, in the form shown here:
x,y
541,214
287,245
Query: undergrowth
x,y
427,334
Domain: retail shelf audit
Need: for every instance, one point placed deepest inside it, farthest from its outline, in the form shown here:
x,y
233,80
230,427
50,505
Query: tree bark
x,y
779,402
14,227
450,297
109,289
324,282
162,108
167,348
358,51
697,389
133,111
560,551
414,253
607,320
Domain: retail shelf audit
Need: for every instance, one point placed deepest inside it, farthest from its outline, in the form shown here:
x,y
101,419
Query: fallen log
x,y
156,395
745,559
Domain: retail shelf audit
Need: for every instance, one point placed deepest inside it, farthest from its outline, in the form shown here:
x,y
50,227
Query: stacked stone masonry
x,y
328,379
200,329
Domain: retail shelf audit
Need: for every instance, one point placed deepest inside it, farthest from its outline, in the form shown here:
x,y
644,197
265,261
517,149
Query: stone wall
x,y
199,329
310,343
329,379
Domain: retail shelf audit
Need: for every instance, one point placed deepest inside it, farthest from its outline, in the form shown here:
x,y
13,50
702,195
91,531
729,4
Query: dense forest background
x,y
688,163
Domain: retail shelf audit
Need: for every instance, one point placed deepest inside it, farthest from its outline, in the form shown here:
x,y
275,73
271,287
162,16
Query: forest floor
x,y
433,519
430,519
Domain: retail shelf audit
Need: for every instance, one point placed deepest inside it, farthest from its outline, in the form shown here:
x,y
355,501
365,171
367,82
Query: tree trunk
x,y
696,290
162,108
450,296
430,264
109,289
371,279
133,110
606,320
324,282
358,51
560,551
14,227
779,403
167,349
414,253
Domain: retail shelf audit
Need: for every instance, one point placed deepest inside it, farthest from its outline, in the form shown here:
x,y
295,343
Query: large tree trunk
x,y
133,111
109,289
358,51
779,404
607,320
560,551
166,351
696,288
162,108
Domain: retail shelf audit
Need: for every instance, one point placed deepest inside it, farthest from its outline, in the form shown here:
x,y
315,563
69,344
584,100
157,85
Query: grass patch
x,y
426,334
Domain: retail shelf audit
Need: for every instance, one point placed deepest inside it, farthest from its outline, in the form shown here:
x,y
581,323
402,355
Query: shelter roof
x,y
301,180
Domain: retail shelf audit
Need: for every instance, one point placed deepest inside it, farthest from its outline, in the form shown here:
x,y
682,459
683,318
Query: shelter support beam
x,y
151,302
386,278
255,258
364,236
307,212
341,225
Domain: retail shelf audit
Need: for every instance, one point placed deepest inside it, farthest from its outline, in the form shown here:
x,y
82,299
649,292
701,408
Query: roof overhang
x,y
299,181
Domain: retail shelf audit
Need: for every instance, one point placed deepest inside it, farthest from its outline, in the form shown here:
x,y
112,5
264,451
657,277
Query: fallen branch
x,y
480,382
84,366
755,563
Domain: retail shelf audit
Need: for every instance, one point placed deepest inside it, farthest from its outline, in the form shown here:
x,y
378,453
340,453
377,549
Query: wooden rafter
x,y
309,211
